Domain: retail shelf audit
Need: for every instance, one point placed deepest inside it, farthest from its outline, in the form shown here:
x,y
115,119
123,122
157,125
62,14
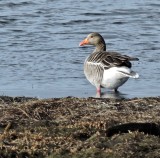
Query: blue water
x,y
40,56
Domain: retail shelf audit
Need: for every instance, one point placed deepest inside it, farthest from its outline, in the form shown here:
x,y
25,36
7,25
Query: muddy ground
x,y
77,127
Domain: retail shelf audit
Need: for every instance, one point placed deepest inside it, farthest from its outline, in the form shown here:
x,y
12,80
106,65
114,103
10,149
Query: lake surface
x,y
40,53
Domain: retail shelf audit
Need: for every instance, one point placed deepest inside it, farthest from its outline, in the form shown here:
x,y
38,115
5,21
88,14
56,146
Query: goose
x,y
106,69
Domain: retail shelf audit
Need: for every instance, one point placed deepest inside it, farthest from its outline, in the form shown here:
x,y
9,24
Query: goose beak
x,y
84,42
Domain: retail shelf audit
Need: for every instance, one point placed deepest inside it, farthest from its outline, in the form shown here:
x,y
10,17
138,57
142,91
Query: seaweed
x,y
77,127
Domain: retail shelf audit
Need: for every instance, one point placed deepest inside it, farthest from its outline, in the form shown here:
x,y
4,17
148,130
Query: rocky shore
x,y
79,127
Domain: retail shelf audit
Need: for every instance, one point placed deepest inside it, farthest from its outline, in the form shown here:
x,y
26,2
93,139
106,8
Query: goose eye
x,y
91,36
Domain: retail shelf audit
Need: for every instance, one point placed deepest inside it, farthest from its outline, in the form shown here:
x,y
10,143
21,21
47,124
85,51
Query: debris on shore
x,y
79,127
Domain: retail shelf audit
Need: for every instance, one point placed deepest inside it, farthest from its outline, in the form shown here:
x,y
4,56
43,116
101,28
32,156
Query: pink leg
x,y
99,91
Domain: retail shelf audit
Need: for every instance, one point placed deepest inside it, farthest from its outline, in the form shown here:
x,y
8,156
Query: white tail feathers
x,y
131,74
128,72
134,74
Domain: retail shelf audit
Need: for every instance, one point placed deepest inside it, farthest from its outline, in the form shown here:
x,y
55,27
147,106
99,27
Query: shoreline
x,y
77,127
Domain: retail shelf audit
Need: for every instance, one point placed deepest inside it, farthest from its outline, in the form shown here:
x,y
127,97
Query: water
x,y
40,56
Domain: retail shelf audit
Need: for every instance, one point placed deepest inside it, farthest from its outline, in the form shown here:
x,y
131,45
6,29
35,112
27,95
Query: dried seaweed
x,y
76,127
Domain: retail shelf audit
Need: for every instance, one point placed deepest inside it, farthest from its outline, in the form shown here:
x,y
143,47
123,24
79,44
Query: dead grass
x,y
75,127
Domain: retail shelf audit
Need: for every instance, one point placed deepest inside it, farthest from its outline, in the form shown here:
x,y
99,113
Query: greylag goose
x,y
105,69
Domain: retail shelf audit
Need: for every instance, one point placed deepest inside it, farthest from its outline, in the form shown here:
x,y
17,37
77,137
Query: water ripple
x,y
40,52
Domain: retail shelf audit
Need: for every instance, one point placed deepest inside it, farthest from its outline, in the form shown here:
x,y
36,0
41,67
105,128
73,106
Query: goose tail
x,y
131,74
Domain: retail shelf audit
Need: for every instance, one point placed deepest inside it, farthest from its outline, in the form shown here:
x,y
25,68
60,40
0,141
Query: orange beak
x,y
84,42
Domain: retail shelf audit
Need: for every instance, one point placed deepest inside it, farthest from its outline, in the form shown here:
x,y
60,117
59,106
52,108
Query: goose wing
x,y
112,59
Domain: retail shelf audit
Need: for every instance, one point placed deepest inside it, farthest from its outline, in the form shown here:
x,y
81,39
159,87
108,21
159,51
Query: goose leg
x,y
98,92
